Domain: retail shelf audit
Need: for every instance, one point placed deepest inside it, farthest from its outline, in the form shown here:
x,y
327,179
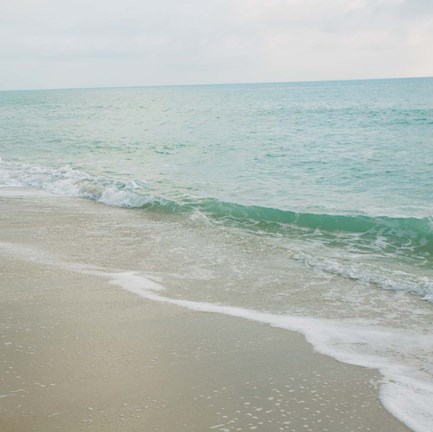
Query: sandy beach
x,y
79,353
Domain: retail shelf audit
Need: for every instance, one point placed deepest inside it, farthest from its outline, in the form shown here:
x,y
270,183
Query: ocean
x,y
305,206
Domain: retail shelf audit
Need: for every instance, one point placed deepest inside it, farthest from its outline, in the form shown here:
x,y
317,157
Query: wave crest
x,y
396,235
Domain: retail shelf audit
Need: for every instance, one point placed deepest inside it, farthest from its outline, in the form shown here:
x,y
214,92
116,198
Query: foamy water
x,y
406,389
402,356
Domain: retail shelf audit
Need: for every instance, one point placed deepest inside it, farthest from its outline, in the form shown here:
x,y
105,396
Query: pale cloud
x,y
58,43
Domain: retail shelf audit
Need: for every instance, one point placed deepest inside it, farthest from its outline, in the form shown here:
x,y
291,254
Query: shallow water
x,y
305,206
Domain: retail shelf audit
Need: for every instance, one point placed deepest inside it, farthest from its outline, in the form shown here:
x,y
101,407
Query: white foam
x,y
406,390
388,279
66,181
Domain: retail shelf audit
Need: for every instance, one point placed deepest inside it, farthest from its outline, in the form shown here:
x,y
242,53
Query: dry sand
x,y
79,354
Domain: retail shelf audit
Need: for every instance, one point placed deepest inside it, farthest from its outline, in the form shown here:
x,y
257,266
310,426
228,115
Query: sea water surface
x,y
307,206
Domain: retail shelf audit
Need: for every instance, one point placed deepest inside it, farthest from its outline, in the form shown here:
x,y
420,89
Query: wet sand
x,y
80,354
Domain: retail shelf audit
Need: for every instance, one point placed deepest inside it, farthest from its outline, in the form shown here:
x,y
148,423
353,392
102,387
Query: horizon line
x,y
213,84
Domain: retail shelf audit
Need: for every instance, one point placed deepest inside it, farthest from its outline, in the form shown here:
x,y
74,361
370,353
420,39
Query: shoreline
x,y
80,353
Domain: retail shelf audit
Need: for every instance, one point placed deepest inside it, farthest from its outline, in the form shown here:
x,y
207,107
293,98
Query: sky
x,y
103,43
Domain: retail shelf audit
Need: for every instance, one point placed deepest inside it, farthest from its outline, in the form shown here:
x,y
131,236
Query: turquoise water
x,y
344,148
328,183
350,161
